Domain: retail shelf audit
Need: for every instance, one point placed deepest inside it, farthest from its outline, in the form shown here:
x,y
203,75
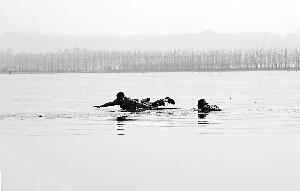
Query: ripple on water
x,y
174,121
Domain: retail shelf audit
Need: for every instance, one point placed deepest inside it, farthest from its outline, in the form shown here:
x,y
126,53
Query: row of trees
x,y
82,60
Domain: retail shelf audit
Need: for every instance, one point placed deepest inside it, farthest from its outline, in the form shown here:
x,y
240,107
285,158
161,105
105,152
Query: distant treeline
x,y
82,60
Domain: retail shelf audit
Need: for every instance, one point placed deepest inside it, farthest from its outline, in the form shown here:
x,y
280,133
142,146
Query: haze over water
x,y
48,127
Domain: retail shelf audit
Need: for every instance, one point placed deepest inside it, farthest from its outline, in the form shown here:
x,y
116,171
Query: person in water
x,y
204,107
134,104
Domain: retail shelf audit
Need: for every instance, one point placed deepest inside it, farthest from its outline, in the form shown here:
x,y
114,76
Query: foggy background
x,y
204,40
35,25
141,17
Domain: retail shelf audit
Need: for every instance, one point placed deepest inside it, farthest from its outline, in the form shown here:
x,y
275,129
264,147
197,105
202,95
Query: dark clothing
x,y
126,104
208,108
205,107
135,104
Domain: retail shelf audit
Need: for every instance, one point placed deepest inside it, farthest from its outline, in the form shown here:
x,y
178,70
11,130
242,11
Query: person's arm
x,y
107,104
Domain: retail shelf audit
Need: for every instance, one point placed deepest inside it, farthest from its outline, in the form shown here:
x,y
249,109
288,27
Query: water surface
x,y
51,138
61,104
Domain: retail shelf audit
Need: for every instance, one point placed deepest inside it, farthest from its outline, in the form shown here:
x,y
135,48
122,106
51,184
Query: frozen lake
x,y
52,138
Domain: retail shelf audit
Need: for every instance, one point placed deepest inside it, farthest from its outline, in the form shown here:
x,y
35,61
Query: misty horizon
x,y
141,17
205,40
207,31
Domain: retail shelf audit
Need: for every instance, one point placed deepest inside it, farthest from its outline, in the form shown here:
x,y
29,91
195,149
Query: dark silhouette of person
x,y
133,104
204,107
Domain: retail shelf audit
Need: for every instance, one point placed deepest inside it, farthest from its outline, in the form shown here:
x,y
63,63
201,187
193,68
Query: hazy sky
x,y
123,17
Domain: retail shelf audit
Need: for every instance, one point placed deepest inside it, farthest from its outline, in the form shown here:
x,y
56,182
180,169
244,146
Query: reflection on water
x,y
201,122
121,125
182,121
202,115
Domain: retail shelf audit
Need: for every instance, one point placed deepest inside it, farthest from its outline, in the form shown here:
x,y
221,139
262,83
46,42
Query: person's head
x,y
120,97
201,103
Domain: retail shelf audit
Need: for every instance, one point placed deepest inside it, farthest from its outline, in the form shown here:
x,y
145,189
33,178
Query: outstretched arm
x,y
107,104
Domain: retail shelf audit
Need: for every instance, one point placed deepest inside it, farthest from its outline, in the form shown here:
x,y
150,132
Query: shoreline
x,y
202,71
